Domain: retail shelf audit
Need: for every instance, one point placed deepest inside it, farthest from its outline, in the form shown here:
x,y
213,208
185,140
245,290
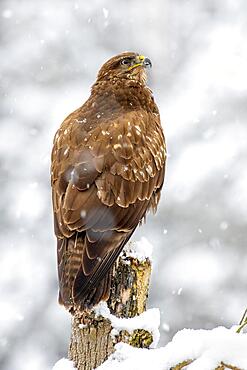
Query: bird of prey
x,y
107,171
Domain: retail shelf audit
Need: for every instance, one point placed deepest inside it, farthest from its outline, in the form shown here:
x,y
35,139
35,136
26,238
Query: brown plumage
x,y
108,163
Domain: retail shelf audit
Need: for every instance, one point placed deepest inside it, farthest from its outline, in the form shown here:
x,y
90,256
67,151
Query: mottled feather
x,y
108,164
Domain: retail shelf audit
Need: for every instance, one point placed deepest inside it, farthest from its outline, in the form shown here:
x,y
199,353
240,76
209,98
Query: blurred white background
x,y
50,54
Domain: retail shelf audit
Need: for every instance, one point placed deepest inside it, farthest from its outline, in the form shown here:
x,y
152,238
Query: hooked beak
x,y
142,61
146,62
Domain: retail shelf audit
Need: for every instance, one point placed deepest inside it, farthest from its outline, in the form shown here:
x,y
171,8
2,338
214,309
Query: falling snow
x,y
105,12
199,232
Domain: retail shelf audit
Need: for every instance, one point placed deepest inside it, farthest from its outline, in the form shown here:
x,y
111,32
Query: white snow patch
x,y
82,326
206,347
83,213
224,225
140,250
105,12
166,327
63,364
148,320
7,13
29,202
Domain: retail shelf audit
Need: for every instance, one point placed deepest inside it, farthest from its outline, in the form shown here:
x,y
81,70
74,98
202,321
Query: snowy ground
x,y
51,53
203,349
207,349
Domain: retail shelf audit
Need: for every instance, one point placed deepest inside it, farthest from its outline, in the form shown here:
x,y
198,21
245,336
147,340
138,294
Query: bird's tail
x,y
69,254
78,290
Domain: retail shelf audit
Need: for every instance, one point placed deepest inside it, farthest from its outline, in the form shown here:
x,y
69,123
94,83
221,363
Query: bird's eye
x,y
125,61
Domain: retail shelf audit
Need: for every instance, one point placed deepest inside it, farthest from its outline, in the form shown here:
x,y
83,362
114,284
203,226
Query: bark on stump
x,y
92,341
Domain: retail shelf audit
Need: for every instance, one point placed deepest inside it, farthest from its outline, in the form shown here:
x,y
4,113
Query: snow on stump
x,y
95,333
216,349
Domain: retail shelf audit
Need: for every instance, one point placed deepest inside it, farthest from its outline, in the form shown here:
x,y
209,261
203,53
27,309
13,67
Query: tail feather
x,y
90,290
97,294
69,254
79,289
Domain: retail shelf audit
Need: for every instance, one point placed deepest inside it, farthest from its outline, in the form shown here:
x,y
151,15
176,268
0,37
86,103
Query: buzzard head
x,y
128,65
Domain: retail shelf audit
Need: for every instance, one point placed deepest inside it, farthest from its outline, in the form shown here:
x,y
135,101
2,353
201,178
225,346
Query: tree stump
x,y
93,336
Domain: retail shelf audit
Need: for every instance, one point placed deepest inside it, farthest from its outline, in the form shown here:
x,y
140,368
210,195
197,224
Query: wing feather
x,y
104,180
